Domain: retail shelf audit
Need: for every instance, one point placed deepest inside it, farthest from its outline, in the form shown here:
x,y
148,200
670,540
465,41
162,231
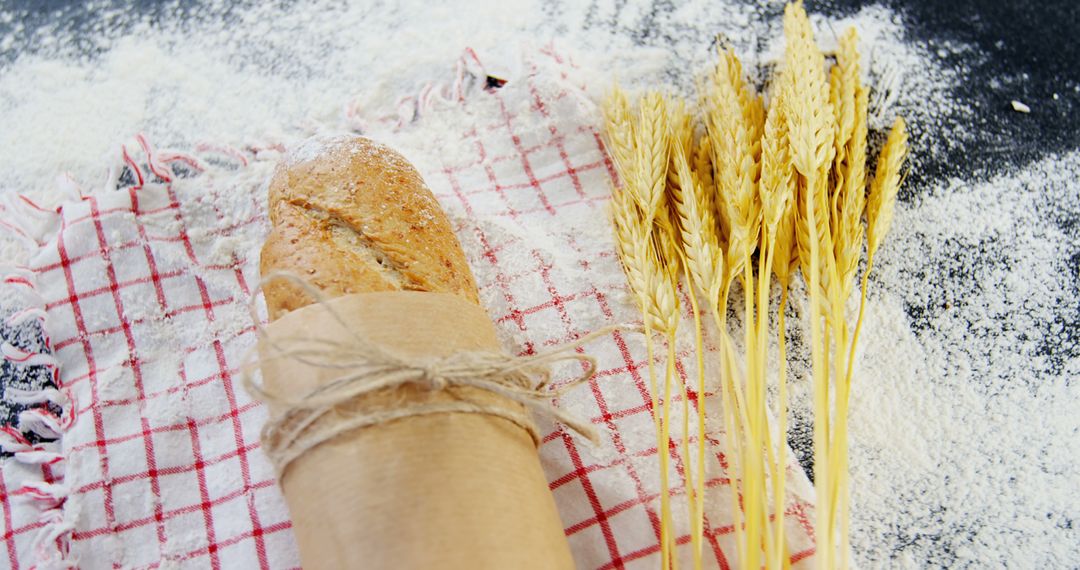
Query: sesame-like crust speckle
x,y
351,215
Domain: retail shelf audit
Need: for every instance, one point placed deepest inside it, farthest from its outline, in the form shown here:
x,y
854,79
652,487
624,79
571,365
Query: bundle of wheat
x,y
782,188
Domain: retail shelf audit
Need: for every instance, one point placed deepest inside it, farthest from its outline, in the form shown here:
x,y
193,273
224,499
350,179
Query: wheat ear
x,y
880,207
852,203
733,115
810,132
704,266
644,238
777,190
882,199
778,171
619,134
843,84
651,136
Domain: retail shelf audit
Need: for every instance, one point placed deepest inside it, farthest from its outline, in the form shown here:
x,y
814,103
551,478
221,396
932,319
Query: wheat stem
x,y
665,451
821,395
779,488
688,473
697,515
731,430
765,261
658,421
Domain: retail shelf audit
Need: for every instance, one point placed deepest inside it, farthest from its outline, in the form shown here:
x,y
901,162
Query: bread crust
x,y
350,215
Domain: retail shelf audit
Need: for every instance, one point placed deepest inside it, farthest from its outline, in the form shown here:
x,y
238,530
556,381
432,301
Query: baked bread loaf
x,y
350,215
443,490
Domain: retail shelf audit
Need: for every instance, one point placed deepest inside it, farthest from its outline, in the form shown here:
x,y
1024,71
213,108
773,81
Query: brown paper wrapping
x,y
436,491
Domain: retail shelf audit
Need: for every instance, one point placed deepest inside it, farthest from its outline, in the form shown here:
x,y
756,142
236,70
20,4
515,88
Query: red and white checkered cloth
x,y
145,290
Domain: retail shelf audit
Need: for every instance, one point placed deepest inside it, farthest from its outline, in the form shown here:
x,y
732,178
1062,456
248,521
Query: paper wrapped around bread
x,y
355,220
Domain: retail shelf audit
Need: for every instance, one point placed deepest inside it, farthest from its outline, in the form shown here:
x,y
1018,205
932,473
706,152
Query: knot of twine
x,y
314,418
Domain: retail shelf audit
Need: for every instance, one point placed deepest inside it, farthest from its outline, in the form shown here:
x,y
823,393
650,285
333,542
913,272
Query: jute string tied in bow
x,y
367,368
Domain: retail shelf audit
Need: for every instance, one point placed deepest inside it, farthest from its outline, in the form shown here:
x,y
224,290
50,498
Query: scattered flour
x,y
964,425
963,429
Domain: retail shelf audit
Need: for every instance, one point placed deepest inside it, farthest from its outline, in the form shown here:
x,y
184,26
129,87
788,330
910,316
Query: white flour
x,y
963,427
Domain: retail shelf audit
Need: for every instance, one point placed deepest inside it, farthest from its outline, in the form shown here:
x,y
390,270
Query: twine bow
x,y
367,368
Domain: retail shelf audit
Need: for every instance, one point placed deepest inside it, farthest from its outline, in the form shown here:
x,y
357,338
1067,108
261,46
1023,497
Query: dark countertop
x,y
1025,51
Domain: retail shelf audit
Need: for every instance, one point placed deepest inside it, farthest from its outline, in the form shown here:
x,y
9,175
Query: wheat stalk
x,y
847,203
852,198
811,134
843,84
882,199
880,205
778,193
732,122
704,266
647,240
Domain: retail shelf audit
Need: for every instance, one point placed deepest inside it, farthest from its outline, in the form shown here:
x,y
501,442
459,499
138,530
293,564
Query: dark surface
x,y
1026,51
1023,51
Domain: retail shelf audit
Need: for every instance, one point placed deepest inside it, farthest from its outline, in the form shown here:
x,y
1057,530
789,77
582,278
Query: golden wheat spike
x,y
777,173
629,233
704,258
619,131
886,184
809,114
852,203
681,132
777,170
786,256
732,118
652,153
843,83
810,135
754,119
848,198
717,116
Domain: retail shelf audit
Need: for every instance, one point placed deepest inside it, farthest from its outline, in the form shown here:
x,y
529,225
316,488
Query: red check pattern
x,y
146,291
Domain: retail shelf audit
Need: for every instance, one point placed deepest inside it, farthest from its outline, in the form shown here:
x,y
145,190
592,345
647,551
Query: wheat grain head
x,y
619,131
852,204
733,121
704,258
650,143
703,167
811,133
786,254
639,247
882,198
809,114
681,122
843,82
777,185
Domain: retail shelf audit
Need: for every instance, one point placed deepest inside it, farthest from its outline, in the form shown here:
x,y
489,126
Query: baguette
x,y
446,490
353,216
